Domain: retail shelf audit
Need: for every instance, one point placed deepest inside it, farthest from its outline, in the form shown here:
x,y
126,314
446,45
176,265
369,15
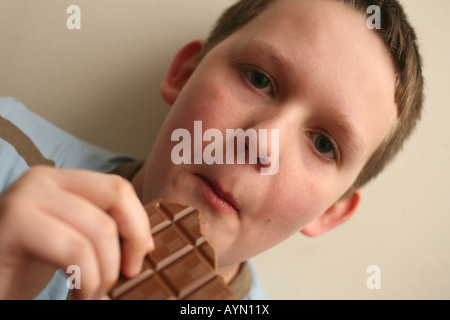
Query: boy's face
x,y
311,69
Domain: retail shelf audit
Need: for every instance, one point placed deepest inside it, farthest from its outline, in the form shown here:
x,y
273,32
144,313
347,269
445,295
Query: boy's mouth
x,y
219,198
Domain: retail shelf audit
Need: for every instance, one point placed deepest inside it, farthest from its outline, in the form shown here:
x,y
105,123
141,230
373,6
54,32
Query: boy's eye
x,y
325,146
259,80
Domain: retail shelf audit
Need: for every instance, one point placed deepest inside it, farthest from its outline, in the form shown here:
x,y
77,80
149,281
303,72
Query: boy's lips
x,y
219,198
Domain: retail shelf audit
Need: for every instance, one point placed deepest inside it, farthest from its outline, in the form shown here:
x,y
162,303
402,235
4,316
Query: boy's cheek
x,y
213,94
298,197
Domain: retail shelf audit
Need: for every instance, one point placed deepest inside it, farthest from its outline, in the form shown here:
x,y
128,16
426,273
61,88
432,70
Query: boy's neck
x,y
229,272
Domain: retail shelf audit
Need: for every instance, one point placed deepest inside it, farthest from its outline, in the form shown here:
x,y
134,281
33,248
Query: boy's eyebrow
x,y
354,142
262,47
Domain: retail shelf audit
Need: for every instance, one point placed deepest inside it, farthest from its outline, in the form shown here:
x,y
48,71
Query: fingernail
x,y
151,246
137,268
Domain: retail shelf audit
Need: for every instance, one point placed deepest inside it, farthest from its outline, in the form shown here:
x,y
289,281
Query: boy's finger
x,y
99,228
45,238
116,196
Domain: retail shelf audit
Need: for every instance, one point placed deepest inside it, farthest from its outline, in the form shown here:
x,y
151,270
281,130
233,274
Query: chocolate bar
x,y
183,265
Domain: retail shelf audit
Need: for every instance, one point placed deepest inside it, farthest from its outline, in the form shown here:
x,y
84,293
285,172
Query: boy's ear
x,y
338,213
183,65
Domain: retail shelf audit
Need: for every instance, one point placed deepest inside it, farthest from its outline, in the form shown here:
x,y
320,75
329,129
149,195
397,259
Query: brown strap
x,y
22,143
127,170
242,282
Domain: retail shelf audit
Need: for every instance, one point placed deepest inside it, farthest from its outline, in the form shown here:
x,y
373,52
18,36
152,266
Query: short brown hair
x,y
401,41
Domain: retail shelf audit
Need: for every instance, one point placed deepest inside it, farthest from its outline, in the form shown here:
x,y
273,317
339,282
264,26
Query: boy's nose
x,y
271,130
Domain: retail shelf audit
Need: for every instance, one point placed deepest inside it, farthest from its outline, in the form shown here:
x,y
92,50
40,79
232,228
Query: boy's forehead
x,y
315,21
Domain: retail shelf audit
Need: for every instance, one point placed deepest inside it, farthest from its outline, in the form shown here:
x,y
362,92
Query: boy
x,y
338,97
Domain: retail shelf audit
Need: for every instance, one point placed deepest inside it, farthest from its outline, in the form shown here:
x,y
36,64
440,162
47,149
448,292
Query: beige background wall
x,y
101,83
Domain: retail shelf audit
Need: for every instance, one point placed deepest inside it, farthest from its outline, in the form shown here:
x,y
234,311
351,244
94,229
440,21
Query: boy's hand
x,y
53,218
